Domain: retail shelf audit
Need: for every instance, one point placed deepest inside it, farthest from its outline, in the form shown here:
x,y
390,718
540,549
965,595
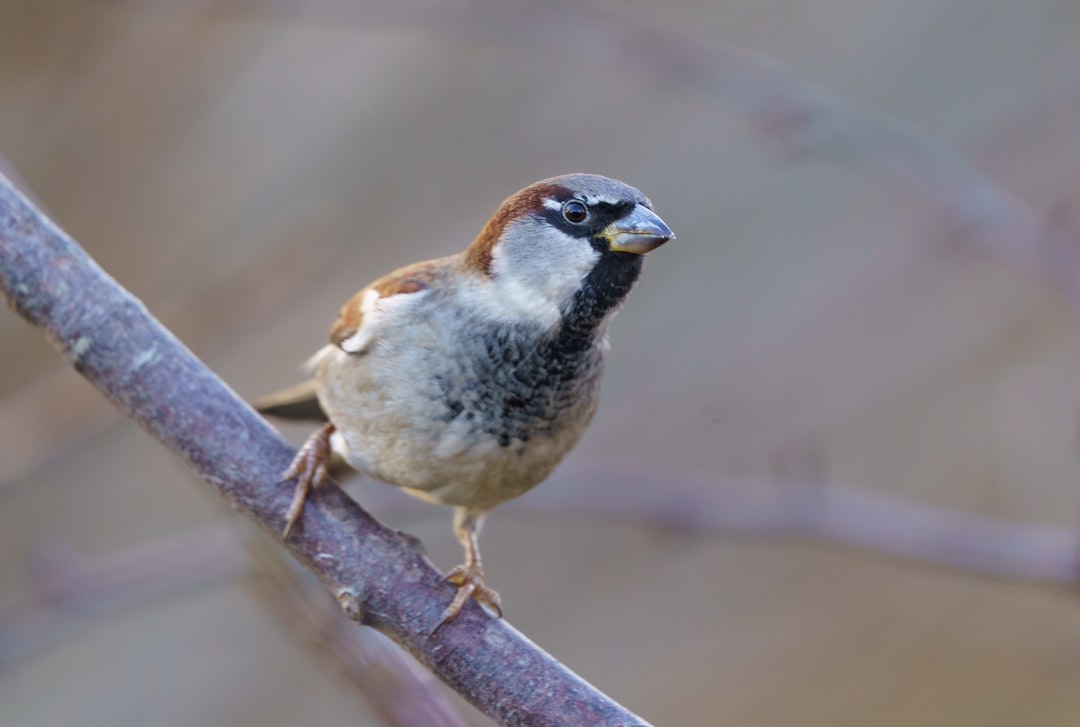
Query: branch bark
x,y
380,577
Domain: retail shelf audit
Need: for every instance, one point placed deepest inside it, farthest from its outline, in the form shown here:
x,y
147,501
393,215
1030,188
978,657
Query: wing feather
x,y
359,320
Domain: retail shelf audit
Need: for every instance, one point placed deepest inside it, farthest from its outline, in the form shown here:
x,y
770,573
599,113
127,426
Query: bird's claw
x,y
469,578
309,468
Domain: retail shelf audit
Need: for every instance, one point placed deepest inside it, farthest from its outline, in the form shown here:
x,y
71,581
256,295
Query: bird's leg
x,y
309,469
469,576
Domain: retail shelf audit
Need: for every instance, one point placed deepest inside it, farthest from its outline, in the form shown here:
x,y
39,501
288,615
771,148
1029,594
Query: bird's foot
x,y
469,578
309,469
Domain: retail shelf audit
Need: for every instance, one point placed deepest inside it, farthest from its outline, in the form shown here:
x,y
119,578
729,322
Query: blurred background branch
x,y
70,591
787,112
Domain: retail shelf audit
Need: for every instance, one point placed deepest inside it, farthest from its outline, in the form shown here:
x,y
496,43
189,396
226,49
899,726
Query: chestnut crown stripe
x,y
528,201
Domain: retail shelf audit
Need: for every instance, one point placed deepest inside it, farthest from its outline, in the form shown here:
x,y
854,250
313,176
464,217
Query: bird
x,y
465,380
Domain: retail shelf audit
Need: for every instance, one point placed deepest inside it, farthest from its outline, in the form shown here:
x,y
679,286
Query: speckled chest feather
x,y
513,383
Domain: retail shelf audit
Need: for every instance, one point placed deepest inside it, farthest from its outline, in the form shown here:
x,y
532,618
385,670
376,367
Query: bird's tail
x,y
296,403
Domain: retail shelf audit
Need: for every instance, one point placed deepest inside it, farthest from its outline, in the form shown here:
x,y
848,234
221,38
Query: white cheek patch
x,y
533,284
375,312
516,300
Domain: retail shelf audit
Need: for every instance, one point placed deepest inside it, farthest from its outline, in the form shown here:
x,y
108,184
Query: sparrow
x,y
465,380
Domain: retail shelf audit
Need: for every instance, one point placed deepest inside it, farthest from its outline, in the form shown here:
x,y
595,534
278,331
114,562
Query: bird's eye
x,y
575,212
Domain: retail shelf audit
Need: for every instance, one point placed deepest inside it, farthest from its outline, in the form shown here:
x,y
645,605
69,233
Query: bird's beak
x,y
638,232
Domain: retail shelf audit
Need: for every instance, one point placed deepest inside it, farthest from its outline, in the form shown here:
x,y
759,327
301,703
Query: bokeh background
x,y
831,345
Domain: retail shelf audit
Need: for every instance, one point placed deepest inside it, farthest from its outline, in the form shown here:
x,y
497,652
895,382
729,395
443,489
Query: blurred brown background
x,y
245,166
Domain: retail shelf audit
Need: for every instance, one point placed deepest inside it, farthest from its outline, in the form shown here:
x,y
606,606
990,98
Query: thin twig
x,y
68,590
827,510
379,577
795,506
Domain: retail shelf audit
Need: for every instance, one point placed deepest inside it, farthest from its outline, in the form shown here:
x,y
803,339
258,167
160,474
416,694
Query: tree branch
x,y
380,577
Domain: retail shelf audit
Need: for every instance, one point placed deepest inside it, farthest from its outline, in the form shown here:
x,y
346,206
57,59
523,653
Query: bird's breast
x,y
463,415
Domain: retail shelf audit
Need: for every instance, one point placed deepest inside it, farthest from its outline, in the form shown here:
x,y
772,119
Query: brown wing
x,y
403,281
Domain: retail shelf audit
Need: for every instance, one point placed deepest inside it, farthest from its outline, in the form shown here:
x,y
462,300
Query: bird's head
x,y
567,246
